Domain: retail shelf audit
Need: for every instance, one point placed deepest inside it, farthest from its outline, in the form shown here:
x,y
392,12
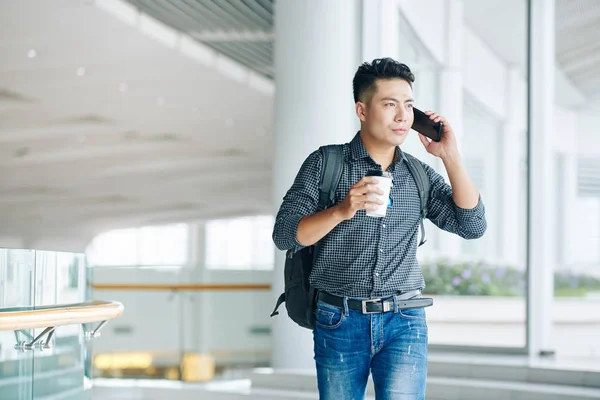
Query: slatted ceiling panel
x,y
243,11
264,8
578,43
239,29
210,15
248,53
588,177
179,16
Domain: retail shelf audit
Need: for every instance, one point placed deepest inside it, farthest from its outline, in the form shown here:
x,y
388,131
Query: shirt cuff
x,y
468,214
290,231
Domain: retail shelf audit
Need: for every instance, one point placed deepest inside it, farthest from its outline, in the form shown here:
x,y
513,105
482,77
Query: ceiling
x,y
578,45
136,112
102,126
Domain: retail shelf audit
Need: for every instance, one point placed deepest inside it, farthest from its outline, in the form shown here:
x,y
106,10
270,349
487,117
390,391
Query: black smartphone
x,y
424,125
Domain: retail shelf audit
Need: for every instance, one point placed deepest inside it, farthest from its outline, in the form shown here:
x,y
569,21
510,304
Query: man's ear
x,y
361,111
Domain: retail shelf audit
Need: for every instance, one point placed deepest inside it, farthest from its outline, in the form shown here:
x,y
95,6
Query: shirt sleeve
x,y
301,199
445,214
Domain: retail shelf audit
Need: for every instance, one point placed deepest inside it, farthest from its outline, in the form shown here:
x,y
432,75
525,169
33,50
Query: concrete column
x,y
541,106
317,51
566,145
451,102
197,304
566,231
512,145
380,21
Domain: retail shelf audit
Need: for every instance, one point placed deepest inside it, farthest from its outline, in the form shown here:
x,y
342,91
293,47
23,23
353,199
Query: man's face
x,y
388,115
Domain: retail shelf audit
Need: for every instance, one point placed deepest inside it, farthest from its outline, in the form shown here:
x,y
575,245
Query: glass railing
x,y
46,323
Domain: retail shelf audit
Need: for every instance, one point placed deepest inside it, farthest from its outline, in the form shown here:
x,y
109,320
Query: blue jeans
x,y
349,345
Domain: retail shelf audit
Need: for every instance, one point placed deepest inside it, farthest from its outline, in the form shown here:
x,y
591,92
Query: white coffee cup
x,y
385,184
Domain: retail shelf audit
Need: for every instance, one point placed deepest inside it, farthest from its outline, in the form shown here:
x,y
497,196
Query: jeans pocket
x,y
413,313
329,317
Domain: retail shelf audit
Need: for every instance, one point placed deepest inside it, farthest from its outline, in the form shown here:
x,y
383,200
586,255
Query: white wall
x,y
566,134
484,74
428,20
589,135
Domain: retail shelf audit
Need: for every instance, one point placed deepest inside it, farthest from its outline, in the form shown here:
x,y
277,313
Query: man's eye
x,y
390,104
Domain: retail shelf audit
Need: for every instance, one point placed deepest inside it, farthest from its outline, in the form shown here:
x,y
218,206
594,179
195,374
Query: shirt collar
x,y
358,151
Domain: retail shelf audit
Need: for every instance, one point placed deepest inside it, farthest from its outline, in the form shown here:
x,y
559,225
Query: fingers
x,y
365,202
370,199
367,184
365,180
365,189
364,194
424,140
434,117
368,204
370,207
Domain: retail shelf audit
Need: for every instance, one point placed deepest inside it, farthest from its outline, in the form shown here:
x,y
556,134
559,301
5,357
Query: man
x,y
363,257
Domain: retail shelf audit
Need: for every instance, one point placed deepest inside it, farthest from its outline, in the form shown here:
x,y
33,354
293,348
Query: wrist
x,y
451,158
336,214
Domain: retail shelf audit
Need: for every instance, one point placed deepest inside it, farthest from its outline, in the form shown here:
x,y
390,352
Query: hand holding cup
x,y
363,195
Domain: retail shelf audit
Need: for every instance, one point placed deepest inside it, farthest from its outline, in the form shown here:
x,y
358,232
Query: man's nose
x,y
401,115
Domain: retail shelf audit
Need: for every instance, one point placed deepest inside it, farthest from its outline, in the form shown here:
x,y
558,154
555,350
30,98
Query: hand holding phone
x,y
424,125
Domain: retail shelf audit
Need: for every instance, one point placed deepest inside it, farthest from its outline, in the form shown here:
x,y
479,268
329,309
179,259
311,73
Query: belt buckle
x,y
363,304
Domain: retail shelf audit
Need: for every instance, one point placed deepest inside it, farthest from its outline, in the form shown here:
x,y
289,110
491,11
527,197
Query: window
x,y
240,243
149,245
462,72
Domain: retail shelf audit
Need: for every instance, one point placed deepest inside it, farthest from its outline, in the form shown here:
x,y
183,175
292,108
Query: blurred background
x,y
146,146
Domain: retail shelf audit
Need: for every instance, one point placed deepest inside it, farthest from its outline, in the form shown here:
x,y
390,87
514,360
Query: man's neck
x,y
381,154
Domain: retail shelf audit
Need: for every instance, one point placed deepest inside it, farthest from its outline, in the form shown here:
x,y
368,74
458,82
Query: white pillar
x,y
541,92
512,153
451,103
197,303
566,144
317,52
380,22
567,229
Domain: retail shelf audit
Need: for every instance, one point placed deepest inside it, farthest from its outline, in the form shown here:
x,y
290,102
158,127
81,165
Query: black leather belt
x,y
369,306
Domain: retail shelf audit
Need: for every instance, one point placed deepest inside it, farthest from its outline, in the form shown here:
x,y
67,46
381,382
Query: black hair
x,y
364,82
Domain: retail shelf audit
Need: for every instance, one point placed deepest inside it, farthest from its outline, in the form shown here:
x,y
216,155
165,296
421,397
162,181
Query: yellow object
x,y
197,367
120,361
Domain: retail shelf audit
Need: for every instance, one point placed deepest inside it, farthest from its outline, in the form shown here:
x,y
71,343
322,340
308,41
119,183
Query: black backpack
x,y
299,296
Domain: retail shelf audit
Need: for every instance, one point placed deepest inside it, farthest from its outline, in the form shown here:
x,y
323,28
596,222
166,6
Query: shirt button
x,y
381,250
376,273
384,225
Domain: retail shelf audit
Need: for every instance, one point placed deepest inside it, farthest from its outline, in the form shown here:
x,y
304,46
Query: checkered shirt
x,y
370,257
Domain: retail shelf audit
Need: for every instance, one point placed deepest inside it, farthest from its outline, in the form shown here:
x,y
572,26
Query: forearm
x,y
464,192
313,228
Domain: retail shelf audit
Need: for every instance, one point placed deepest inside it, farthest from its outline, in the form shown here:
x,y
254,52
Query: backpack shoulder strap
x,y
333,165
422,180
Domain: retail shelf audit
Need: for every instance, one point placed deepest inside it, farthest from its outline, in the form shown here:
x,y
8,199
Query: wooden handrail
x,y
62,314
196,287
